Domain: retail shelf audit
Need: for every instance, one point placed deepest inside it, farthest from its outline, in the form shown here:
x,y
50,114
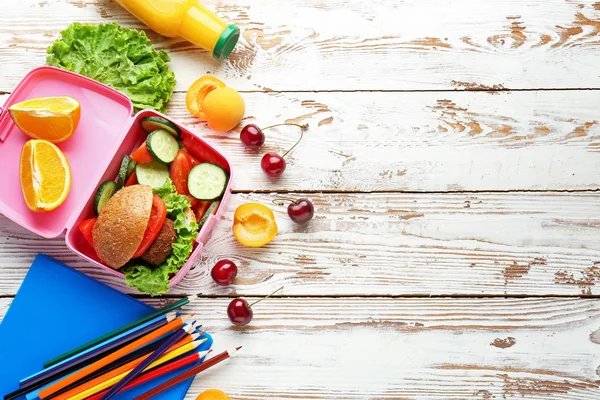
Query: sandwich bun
x,y
120,227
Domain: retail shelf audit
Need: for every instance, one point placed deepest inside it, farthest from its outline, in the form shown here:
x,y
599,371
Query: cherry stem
x,y
280,201
257,301
295,144
302,127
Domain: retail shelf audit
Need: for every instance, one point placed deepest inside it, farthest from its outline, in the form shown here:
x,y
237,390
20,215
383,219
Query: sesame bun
x,y
121,224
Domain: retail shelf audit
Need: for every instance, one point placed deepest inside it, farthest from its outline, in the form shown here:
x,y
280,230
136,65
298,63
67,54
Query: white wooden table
x,y
453,161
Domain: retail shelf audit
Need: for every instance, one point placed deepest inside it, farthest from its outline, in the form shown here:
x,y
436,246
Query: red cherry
x,y
224,272
240,312
301,211
252,136
273,164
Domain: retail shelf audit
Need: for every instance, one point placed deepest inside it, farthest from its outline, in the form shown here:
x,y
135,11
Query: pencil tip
x,y
237,348
186,317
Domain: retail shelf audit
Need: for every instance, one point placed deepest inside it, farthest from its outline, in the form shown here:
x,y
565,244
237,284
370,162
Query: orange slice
x,y
48,118
45,175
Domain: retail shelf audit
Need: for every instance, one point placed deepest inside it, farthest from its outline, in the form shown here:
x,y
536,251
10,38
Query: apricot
x,y
223,109
211,100
254,224
198,91
213,394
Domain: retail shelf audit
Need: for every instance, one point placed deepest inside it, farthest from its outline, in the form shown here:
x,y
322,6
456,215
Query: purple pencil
x,y
151,358
82,359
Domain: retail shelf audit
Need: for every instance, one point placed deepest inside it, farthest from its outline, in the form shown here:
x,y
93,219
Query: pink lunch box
x,y
107,131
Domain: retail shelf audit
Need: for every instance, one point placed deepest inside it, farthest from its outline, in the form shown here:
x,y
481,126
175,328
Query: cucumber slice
x,y
122,176
152,173
151,124
207,181
211,210
162,145
131,167
104,193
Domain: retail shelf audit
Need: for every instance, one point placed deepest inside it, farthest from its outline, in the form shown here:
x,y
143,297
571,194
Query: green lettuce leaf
x,y
155,281
121,58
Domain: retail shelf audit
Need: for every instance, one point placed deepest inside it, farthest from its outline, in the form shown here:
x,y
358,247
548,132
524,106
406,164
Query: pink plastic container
x,y
107,131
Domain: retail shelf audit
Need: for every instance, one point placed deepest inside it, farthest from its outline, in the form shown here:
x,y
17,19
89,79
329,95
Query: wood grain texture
x,y
418,141
437,349
387,244
351,44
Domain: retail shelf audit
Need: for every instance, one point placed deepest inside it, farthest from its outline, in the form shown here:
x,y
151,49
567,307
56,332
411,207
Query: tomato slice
x,y
191,158
202,152
86,226
158,215
142,155
179,173
132,180
193,201
201,208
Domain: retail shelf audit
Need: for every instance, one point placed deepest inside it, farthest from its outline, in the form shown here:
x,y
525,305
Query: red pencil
x,y
187,374
155,373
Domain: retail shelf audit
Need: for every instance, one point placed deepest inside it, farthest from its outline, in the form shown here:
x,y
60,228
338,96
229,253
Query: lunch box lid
x,y
102,128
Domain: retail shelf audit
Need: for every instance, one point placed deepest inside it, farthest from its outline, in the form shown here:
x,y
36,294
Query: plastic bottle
x,y
187,19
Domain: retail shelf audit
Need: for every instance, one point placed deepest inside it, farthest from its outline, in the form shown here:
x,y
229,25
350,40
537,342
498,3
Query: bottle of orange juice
x,y
187,19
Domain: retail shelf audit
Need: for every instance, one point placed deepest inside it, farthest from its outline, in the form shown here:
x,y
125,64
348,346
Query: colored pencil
x,y
110,382
157,372
174,351
32,392
126,363
118,331
80,360
48,382
144,340
188,374
149,360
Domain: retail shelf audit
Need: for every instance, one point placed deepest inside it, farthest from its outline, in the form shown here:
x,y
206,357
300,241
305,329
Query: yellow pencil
x,y
112,381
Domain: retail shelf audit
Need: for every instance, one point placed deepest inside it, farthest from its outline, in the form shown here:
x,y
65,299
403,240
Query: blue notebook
x,y
52,294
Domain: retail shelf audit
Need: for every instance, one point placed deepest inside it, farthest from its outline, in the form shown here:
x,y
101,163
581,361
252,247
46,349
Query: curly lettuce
x,y
155,281
121,58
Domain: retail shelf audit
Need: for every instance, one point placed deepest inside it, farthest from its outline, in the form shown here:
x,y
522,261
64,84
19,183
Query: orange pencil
x,y
124,368
144,340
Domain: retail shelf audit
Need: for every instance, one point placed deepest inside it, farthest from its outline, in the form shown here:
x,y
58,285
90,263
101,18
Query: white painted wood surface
x,y
442,349
387,244
354,45
430,174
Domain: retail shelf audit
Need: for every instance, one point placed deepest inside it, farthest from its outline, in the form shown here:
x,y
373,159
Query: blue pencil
x,y
79,360
151,358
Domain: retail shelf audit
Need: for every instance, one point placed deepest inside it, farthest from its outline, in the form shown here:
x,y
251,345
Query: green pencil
x,y
118,331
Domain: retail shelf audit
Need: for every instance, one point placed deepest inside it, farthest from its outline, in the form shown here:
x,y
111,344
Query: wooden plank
x,y
469,141
351,44
407,349
419,141
387,244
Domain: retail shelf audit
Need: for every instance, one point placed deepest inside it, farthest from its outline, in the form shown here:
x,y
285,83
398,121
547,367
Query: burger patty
x,y
162,247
